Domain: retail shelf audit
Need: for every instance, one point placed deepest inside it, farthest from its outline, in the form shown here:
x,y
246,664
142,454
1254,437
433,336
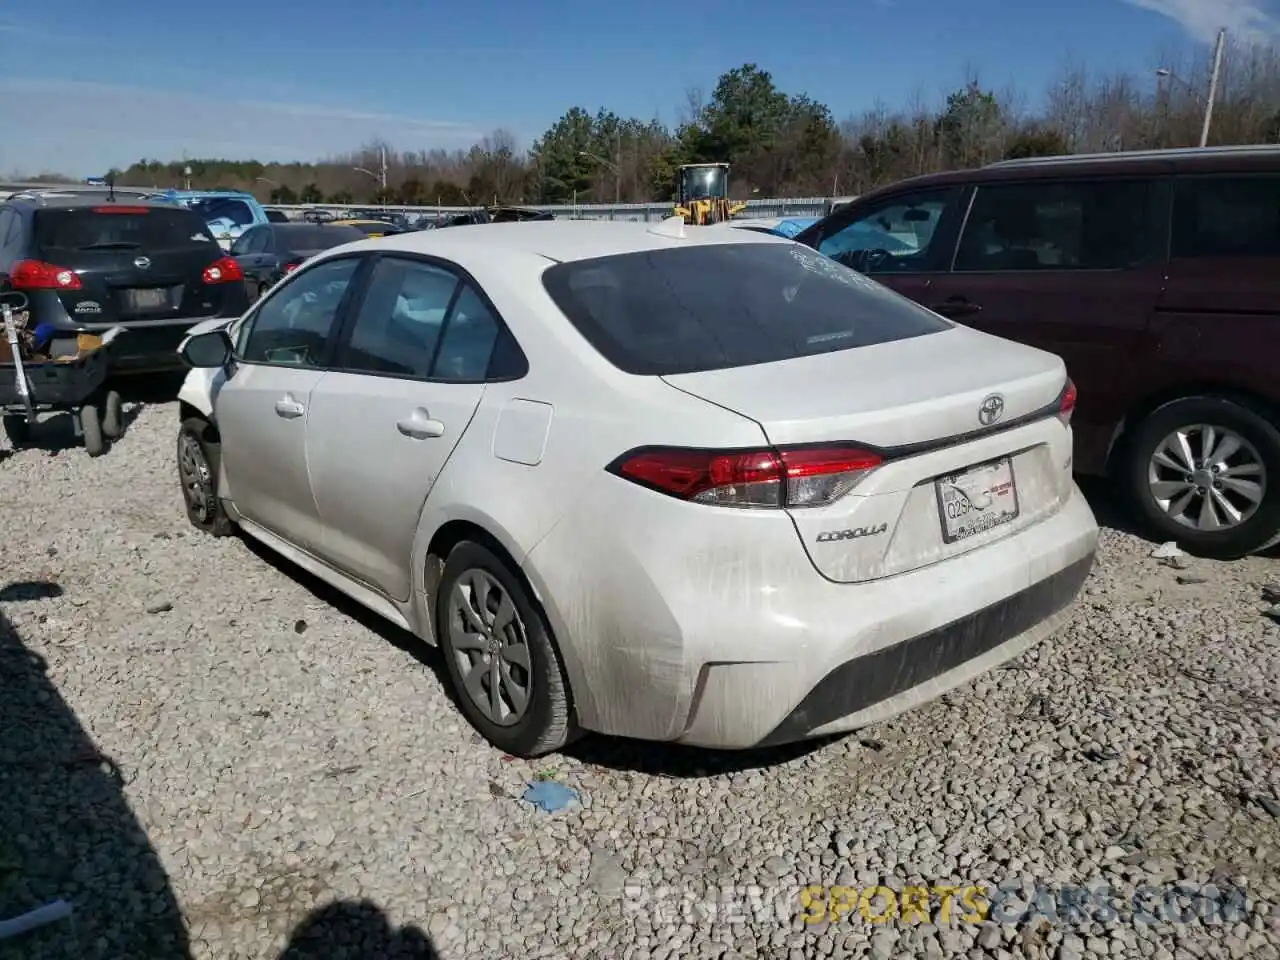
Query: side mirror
x,y
207,350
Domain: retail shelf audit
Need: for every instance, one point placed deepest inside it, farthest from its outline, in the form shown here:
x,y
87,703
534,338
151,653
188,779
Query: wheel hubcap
x,y
1207,478
194,472
490,647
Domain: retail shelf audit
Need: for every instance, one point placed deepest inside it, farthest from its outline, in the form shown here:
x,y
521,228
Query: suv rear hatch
x,y
132,264
945,438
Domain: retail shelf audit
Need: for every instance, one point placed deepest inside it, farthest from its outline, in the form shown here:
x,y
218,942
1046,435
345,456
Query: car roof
x,y
563,240
47,200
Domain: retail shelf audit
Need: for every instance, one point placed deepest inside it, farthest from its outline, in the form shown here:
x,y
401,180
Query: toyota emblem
x,y
142,263
991,409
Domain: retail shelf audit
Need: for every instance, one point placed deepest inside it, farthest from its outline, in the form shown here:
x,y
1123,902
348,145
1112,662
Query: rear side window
x,y
1099,225
308,236
695,308
1227,217
121,228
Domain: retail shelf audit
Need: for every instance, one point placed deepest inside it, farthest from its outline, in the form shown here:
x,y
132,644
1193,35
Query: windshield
x,y
104,228
236,212
649,313
308,236
703,183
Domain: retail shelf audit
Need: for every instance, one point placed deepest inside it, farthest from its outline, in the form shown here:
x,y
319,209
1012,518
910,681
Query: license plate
x,y
975,500
147,298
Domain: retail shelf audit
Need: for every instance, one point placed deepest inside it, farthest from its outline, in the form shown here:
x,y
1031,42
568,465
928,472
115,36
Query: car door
x,y
409,374
1075,268
902,240
261,408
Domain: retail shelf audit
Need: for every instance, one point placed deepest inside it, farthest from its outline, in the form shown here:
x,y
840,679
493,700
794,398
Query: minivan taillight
x,y
223,270
38,275
761,478
1067,402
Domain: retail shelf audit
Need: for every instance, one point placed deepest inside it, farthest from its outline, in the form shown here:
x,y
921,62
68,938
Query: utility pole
x,y
1213,86
384,171
617,169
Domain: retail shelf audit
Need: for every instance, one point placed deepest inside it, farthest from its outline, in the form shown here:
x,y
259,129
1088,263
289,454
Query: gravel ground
x,y
208,753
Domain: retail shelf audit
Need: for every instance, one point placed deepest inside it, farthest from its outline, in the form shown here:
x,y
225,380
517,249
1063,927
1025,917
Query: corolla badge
x,y
991,409
857,533
142,262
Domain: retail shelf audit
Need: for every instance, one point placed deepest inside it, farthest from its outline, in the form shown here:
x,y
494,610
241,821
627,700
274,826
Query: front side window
x,y
1227,216
897,236
294,324
398,326
650,313
1048,225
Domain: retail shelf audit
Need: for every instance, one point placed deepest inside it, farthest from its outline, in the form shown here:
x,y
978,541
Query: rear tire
x,y
198,459
490,631
91,427
113,415
18,430
1243,486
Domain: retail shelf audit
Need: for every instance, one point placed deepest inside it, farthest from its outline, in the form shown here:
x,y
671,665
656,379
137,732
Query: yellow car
x,y
371,228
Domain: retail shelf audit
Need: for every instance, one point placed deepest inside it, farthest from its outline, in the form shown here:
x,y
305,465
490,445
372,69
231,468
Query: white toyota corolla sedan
x,y
693,485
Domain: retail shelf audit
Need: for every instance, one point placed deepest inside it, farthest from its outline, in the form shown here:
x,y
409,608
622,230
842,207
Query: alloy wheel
x,y
490,644
1207,477
197,486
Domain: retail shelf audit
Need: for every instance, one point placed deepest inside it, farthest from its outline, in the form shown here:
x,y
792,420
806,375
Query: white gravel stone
x,y
200,779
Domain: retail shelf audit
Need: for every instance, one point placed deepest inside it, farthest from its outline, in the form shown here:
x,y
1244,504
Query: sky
x,y
85,86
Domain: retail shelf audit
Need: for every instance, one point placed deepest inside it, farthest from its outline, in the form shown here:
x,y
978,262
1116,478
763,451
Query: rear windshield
x,y
309,236
123,227
236,212
698,308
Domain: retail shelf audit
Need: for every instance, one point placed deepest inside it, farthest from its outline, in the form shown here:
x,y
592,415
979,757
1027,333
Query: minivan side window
x,y
1227,216
894,236
1050,225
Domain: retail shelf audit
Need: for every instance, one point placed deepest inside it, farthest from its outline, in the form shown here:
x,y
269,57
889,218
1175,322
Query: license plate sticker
x,y
147,298
977,499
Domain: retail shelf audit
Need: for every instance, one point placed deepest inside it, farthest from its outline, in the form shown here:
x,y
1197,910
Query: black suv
x,y
89,262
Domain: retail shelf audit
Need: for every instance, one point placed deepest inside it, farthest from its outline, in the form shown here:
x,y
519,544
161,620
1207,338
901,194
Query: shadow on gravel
x,y
350,930
66,830
1108,506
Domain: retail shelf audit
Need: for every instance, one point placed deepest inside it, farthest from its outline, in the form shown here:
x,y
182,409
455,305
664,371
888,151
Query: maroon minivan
x,y
1155,275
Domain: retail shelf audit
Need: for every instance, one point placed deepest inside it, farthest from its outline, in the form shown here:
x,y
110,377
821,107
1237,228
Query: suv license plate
x,y
147,298
976,499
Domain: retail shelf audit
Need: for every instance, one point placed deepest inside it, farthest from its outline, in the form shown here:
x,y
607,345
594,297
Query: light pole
x,y
186,174
381,178
269,183
617,172
1164,73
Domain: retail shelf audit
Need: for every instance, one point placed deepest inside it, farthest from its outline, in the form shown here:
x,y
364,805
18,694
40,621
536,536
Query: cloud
x,y
85,128
1246,21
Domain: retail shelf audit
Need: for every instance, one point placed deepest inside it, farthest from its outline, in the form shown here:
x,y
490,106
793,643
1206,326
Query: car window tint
x,y
1102,225
294,323
398,325
468,341
241,245
1227,217
121,227
650,313
235,212
893,237
261,241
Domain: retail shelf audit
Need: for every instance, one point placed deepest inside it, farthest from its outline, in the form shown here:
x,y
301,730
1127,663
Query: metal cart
x,y
30,388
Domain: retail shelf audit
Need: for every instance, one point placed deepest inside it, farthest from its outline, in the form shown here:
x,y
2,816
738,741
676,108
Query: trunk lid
x,y
135,264
951,481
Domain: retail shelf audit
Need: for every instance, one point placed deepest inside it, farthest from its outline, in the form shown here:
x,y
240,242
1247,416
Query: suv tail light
x,y
1067,402
788,477
292,265
223,270
38,275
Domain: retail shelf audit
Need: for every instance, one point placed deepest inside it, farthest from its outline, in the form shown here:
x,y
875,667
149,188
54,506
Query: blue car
x,y
228,213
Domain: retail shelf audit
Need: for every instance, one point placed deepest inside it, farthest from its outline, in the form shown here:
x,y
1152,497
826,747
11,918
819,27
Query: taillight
x,y
1067,402
38,275
786,477
223,270
290,267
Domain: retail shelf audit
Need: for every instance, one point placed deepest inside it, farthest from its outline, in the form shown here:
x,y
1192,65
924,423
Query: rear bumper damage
x,y
734,642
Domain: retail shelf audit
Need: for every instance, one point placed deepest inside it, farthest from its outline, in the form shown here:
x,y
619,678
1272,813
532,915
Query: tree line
x,y
779,144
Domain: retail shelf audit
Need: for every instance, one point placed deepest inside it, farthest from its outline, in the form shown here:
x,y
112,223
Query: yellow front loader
x,y
704,194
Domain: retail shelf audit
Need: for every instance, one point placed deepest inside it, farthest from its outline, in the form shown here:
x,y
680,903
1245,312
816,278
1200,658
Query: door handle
x,y
419,426
956,307
289,408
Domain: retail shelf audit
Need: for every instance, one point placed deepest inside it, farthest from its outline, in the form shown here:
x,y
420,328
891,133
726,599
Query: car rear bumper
x,y
742,644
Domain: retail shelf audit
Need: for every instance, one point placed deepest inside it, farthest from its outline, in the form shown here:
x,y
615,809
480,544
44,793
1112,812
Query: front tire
x,y
1205,472
113,415
198,458
501,659
91,428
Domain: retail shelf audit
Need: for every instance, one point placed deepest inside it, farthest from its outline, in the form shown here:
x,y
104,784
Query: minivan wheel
x,y
198,474
1205,472
501,660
